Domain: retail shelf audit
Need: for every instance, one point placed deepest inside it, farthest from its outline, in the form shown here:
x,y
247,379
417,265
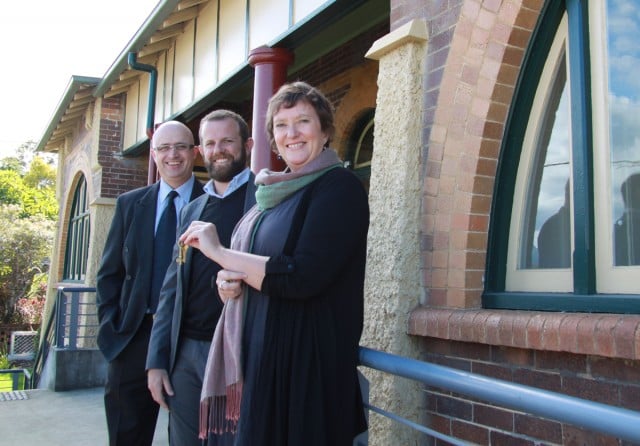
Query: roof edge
x,y
75,83
162,10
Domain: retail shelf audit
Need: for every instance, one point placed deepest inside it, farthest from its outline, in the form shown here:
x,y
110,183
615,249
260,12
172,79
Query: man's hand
x,y
159,385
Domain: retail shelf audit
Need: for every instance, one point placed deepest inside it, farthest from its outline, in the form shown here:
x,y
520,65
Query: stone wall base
x,y
73,369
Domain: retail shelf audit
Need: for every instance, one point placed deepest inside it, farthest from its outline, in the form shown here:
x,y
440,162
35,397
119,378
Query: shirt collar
x,y
234,184
184,190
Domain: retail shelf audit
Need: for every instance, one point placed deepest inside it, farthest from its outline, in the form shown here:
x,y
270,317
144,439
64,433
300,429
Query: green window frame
x,y
79,231
590,283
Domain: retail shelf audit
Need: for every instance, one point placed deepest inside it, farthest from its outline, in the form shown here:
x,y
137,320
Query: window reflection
x,y
626,230
623,27
554,243
547,228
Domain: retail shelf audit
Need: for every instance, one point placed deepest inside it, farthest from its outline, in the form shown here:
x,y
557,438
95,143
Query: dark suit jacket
x,y
163,345
124,277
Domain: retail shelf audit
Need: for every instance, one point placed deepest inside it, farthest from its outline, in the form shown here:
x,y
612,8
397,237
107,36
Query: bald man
x,y
135,258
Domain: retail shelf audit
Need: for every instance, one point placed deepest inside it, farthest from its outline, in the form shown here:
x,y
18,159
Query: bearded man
x,y
189,304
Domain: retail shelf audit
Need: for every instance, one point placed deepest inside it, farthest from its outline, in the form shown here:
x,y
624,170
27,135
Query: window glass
x,y
77,249
623,55
568,188
540,232
547,237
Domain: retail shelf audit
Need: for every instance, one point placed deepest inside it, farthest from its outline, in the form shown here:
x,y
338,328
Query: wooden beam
x,y
167,33
185,4
82,94
63,129
157,47
118,88
181,16
128,74
81,102
70,116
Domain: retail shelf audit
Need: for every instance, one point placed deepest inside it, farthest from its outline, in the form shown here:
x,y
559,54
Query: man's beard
x,y
224,174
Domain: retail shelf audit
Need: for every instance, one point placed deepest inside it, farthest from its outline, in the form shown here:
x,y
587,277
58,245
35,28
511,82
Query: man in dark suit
x,y
189,302
126,294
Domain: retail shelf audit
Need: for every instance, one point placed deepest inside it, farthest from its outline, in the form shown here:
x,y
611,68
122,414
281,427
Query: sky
x,y
43,43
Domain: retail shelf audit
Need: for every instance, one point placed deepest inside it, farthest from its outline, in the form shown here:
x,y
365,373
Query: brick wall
x,y
119,174
611,381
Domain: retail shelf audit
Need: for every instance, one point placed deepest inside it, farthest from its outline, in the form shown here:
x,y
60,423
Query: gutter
x,y
153,82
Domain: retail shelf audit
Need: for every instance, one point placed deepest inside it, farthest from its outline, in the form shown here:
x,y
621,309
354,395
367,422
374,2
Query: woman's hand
x,y
240,266
229,284
203,236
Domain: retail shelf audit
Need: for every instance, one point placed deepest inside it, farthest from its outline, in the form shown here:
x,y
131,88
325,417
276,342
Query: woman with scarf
x,y
282,366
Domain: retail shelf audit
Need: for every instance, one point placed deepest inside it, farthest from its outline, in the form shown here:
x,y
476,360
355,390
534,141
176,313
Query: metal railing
x,y
621,423
72,324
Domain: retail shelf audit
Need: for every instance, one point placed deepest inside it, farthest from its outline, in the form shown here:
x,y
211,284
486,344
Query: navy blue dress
x,y
302,329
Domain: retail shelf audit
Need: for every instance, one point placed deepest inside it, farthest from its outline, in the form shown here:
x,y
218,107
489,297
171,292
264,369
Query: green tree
x,y
22,158
28,212
11,187
41,175
25,244
33,190
11,163
40,194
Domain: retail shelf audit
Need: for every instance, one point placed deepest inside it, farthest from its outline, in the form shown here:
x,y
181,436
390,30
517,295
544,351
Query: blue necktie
x,y
162,249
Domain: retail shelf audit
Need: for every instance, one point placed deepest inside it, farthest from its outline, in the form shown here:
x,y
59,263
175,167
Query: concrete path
x,y
72,418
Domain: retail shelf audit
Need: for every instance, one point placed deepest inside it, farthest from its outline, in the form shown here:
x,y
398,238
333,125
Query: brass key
x,y
182,253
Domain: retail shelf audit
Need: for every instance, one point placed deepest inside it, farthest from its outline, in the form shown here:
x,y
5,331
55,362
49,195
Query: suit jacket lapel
x,y
142,228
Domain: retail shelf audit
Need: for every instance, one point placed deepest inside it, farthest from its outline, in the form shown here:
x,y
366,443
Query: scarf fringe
x,y
220,414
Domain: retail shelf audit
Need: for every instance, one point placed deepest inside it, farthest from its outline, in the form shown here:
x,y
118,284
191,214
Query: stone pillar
x,y
393,281
270,73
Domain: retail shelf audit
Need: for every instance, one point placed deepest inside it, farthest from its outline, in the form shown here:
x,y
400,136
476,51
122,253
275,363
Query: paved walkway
x,y
72,418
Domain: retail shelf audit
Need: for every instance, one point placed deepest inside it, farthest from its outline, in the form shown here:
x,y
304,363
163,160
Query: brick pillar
x,y
270,66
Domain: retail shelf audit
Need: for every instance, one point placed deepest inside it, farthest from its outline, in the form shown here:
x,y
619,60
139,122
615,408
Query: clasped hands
x,y
204,236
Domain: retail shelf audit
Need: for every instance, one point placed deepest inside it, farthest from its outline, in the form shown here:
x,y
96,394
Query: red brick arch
x,y
478,81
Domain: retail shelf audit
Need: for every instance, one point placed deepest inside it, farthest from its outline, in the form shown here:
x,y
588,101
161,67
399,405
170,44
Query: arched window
x,y
565,231
360,149
77,249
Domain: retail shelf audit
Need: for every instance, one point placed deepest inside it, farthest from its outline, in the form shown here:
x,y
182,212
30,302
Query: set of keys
x,y
182,253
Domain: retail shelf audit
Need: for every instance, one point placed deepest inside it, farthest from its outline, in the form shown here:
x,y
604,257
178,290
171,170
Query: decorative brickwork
x,y
470,84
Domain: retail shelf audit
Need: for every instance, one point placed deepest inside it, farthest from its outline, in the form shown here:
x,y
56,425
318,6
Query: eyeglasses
x,y
180,147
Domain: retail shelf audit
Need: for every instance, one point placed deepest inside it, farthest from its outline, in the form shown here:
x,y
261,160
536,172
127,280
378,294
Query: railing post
x,y
60,318
73,320
15,385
